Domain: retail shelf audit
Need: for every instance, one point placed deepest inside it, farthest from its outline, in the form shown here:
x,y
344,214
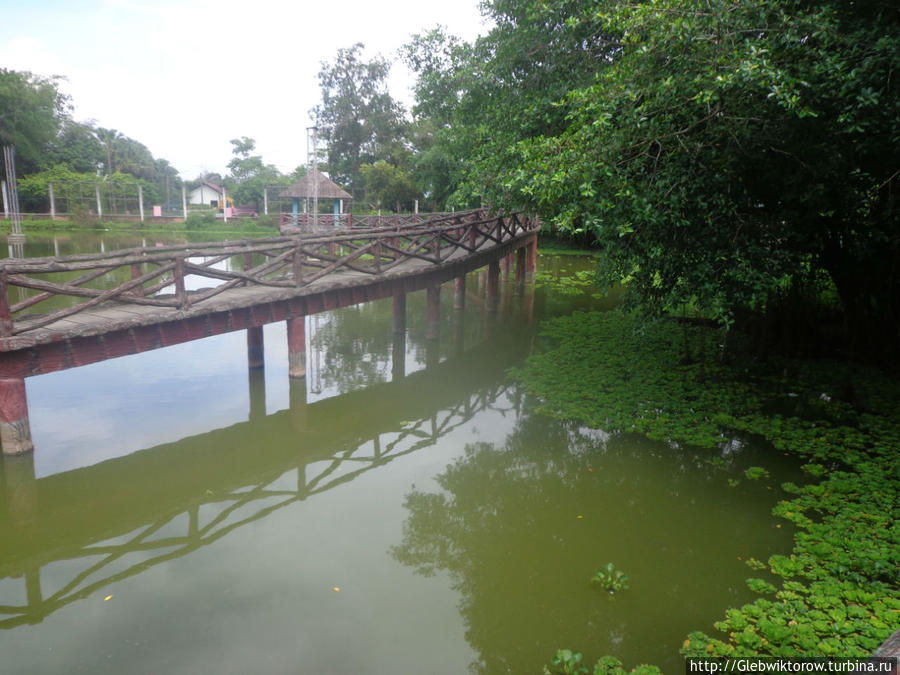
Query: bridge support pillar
x,y
433,330
531,259
398,348
256,384
459,292
492,302
399,312
15,430
255,353
398,357
296,337
521,254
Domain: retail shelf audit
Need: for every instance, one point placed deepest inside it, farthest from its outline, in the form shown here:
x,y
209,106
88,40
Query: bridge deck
x,y
123,315
294,269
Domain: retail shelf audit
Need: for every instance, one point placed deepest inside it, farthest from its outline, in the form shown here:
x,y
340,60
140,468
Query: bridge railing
x,y
47,290
293,223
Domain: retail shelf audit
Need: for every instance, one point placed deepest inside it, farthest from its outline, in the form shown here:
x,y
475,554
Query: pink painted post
x,y
15,431
296,336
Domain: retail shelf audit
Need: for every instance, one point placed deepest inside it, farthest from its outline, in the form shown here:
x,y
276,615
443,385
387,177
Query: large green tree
x,y
729,153
358,120
249,175
31,108
475,101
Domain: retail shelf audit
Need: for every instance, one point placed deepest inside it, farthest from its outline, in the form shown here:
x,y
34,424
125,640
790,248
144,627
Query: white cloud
x,y
185,77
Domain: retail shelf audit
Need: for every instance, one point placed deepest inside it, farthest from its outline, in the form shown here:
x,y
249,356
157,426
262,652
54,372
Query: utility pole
x,y
312,171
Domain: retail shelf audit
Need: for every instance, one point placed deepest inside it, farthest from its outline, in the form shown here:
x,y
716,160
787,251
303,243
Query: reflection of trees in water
x,y
352,346
521,528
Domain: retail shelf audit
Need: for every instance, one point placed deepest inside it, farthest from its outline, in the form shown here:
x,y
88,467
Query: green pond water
x,y
400,510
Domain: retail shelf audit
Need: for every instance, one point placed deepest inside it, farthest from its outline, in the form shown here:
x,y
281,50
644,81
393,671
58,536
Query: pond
x,y
399,510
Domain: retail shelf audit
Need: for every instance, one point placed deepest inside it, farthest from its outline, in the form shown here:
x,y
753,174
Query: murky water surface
x,y
398,511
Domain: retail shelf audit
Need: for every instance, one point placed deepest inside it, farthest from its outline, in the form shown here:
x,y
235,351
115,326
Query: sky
x,y
184,77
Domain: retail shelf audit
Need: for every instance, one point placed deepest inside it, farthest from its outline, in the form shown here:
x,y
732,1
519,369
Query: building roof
x,y
212,186
305,187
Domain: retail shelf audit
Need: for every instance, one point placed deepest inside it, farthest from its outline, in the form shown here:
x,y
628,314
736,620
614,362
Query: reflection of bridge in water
x,y
68,312
120,517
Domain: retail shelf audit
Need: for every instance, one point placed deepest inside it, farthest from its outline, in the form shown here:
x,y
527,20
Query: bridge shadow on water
x,y
117,518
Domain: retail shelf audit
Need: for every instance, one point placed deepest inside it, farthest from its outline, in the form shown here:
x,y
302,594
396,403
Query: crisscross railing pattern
x,y
99,564
303,222
184,276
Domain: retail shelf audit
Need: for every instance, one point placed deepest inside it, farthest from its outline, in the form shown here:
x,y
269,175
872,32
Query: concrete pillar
x,y
399,312
256,383
19,488
296,336
15,430
520,269
398,357
433,327
531,259
492,302
459,332
459,293
298,405
52,201
255,350
507,264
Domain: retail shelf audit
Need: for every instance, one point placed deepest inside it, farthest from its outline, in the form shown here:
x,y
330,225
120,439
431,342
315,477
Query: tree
x,y
441,63
387,187
249,174
357,118
509,85
31,108
77,146
731,153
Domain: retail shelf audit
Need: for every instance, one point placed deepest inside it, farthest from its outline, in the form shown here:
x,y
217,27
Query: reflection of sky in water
x,y
85,415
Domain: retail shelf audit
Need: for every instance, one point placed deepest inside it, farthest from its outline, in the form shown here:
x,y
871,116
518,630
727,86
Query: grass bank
x,y
206,225
838,590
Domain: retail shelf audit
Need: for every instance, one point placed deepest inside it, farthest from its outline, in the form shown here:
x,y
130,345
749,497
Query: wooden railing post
x,y
135,274
180,293
6,322
378,256
297,263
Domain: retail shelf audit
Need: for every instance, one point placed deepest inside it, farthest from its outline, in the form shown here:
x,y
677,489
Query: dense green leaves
x,y
358,119
30,110
729,153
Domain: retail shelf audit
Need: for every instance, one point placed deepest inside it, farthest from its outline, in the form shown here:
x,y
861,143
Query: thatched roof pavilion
x,y
305,188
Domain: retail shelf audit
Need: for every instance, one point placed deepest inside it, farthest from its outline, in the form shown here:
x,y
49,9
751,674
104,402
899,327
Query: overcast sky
x,y
184,77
